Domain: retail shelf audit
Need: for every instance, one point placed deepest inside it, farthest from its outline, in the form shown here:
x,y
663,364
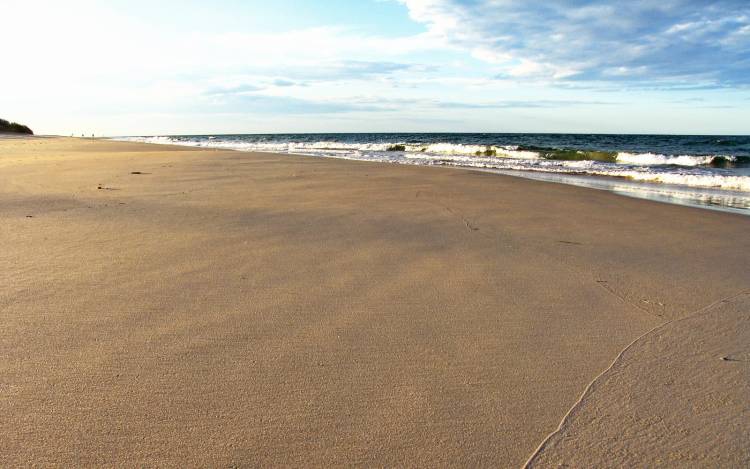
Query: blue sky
x,y
135,67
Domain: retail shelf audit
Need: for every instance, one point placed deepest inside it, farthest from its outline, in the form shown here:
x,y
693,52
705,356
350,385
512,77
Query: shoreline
x,y
168,305
712,198
671,194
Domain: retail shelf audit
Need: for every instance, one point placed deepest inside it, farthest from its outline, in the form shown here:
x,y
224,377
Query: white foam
x,y
156,139
652,159
513,152
472,150
739,183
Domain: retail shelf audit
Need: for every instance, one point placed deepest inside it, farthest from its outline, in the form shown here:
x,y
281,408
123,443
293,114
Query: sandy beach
x,y
170,306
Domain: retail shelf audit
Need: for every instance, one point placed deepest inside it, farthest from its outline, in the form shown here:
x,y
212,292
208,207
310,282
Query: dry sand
x,y
221,308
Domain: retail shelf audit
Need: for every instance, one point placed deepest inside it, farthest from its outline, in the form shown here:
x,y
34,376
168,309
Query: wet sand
x,y
677,397
167,306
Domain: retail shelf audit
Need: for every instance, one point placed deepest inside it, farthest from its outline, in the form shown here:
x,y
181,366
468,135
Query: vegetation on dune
x,y
13,127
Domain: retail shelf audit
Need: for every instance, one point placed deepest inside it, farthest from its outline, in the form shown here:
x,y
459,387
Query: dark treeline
x,y
14,127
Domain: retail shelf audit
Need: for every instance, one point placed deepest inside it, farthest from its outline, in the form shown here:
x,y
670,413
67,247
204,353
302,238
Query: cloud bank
x,y
636,42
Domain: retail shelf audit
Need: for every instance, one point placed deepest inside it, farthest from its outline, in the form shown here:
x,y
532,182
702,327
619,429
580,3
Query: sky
x,y
133,67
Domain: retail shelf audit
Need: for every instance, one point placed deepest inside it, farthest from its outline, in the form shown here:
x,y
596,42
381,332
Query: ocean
x,y
697,170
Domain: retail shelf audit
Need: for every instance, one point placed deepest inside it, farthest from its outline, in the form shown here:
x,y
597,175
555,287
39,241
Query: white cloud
x,y
78,56
558,39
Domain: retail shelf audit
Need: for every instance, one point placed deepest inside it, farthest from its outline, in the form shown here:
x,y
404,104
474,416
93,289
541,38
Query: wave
x,y
692,178
708,181
655,159
470,150
506,151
